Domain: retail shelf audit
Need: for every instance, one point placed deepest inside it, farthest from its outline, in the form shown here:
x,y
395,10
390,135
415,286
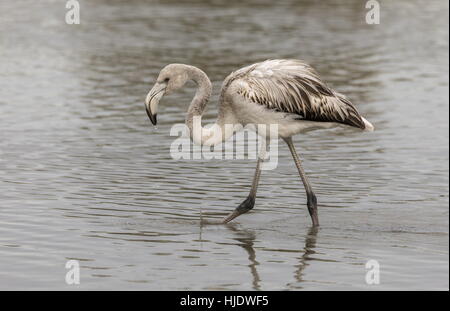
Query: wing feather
x,y
292,86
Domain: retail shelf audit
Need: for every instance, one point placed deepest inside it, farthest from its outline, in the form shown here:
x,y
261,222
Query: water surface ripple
x,y
84,176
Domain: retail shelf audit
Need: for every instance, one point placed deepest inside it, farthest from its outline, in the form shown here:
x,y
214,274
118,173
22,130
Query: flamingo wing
x,y
292,86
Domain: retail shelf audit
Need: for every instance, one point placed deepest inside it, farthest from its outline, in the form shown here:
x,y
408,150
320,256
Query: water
x,y
83,174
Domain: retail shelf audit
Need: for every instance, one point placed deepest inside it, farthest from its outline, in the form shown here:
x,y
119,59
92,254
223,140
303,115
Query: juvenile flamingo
x,y
286,92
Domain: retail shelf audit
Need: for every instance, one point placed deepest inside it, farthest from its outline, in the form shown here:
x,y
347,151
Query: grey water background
x,y
84,176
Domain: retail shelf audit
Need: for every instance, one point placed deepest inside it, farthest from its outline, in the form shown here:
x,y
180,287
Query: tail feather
x,y
368,126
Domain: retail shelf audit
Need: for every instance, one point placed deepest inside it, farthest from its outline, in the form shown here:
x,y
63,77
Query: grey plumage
x,y
292,86
284,92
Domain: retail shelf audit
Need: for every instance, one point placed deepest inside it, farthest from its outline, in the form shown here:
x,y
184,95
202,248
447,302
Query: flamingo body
x,y
285,92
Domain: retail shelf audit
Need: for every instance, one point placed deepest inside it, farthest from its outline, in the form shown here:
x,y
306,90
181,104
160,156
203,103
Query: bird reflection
x,y
308,249
246,240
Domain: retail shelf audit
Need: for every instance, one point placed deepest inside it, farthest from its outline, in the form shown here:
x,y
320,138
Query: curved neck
x,y
200,135
201,97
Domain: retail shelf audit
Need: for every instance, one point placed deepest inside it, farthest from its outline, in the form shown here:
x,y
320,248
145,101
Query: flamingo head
x,y
171,78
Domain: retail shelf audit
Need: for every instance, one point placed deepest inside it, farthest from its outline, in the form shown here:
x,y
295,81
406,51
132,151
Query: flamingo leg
x,y
249,202
311,197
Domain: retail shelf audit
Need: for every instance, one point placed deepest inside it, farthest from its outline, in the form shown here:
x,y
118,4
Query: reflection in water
x,y
246,239
310,244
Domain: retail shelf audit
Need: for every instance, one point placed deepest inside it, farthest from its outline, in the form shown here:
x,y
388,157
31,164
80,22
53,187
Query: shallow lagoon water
x,y
84,176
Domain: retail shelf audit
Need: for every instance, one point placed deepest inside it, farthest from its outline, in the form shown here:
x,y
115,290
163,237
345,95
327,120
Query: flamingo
x,y
286,92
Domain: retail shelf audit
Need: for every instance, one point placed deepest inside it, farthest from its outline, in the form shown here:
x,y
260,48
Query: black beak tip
x,y
153,119
151,116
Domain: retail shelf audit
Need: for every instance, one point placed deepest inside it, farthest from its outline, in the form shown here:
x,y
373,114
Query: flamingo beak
x,y
152,101
151,116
